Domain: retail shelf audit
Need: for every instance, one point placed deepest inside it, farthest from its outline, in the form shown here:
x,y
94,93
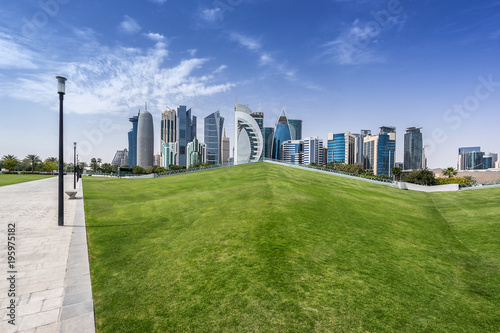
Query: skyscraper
x,y
121,157
185,133
313,150
268,142
281,134
295,128
145,140
168,154
342,148
168,126
248,140
214,124
196,153
413,149
225,148
379,151
132,141
293,151
470,158
359,145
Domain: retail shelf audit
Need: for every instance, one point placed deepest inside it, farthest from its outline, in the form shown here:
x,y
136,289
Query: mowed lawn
x,y
268,248
9,179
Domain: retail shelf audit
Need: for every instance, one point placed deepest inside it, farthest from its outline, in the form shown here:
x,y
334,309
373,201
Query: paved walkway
x,y
50,276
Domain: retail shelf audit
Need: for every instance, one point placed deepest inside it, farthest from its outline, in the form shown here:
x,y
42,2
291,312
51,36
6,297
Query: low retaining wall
x,y
429,189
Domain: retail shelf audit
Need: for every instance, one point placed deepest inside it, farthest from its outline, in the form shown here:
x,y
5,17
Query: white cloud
x,y
211,15
356,44
158,1
15,55
248,42
117,80
129,25
220,69
155,36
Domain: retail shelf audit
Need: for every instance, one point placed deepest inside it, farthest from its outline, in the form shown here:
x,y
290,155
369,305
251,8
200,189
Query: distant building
x,y
225,148
313,150
295,128
470,158
168,126
341,148
293,151
214,125
268,141
248,140
145,140
157,159
379,151
359,144
196,153
185,133
413,149
497,165
399,165
259,119
132,141
168,154
121,157
490,160
281,134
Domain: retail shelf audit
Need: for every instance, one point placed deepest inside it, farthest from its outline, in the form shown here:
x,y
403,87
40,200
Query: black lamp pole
x,y
61,90
74,165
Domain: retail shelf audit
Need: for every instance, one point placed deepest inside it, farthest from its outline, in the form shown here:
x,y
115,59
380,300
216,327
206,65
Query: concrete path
x,y
47,288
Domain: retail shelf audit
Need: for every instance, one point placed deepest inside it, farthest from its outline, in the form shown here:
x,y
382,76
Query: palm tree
x,y
8,157
450,172
396,171
34,160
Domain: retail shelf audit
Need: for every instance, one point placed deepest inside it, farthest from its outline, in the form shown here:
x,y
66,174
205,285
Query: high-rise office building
x,y
225,148
341,148
196,153
295,128
185,133
145,140
214,124
259,119
268,141
132,141
293,151
470,158
168,154
168,125
379,151
281,134
359,145
248,140
413,149
490,160
121,157
313,150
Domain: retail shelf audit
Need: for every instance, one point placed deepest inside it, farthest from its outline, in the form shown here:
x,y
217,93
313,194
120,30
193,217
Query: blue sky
x,y
339,65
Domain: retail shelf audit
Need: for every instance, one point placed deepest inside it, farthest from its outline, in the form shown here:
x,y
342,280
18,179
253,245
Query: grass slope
x,y
263,247
9,179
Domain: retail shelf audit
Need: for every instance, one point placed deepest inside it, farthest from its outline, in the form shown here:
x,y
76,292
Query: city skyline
x,y
340,66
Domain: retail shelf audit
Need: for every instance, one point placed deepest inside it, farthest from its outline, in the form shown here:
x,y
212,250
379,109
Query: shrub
x,y
421,177
456,180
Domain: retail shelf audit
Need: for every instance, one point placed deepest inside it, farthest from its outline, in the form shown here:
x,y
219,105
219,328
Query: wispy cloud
x,y
158,1
357,43
250,43
129,25
15,55
118,79
211,15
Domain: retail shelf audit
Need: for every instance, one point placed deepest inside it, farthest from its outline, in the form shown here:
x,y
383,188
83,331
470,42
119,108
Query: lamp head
x,y
61,82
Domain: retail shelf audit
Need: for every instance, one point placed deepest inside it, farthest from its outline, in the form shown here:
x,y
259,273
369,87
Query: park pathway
x,y
50,277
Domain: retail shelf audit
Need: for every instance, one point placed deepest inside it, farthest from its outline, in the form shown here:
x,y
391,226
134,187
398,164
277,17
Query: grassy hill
x,y
268,248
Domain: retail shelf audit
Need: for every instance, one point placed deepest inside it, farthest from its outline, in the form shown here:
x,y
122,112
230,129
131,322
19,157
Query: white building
x,y
248,140
313,150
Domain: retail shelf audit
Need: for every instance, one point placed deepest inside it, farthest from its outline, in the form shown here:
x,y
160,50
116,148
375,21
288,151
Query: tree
x,y
34,160
160,169
8,157
421,177
95,163
138,170
107,168
52,159
25,164
49,166
10,164
450,172
397,172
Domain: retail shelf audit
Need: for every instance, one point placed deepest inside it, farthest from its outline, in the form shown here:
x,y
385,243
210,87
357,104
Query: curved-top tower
x,y
145,140
248,140
281,134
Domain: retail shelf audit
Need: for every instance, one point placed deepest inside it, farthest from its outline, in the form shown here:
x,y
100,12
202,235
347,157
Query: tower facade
x,y
313,150
248,140
214,124
132,141
268,142
281,134
379,151
225,148
342,148
295,128
293,151
145,140
185,133
413,149
168,126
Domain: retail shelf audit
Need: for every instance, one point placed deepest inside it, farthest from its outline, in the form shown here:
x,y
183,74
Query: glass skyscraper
x,y
214,124
470,158
167,129
281,134
293,151
268,142
185,133
379,151
132,142
341,148
413,149
295,128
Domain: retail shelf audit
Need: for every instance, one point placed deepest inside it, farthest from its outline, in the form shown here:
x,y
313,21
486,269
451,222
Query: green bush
x,y
455,180
421,177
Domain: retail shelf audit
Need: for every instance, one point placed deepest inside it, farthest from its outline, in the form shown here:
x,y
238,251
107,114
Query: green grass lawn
x,y
268,248
9,179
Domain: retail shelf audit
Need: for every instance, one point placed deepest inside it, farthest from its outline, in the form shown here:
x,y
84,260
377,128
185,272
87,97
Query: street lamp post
x,y
74,165
61,81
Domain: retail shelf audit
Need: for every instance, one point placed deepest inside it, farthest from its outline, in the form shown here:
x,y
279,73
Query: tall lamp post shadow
x,y
61,82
